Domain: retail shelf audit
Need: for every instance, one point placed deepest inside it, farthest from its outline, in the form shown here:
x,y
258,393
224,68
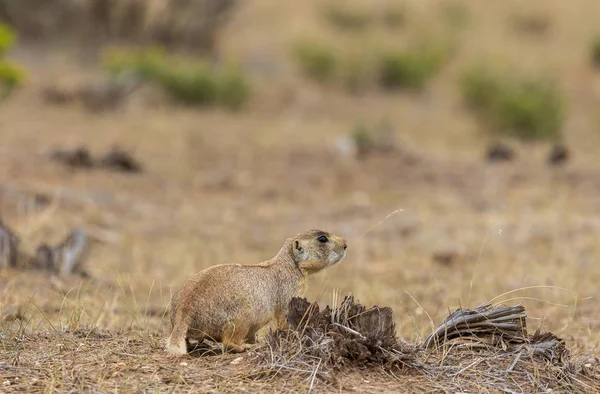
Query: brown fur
x,y
229,303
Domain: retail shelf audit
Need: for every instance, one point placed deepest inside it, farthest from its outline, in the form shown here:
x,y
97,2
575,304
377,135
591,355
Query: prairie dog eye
x,y
322,239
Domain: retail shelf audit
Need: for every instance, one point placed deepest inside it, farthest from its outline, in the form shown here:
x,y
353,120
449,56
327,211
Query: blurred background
x,y
453,143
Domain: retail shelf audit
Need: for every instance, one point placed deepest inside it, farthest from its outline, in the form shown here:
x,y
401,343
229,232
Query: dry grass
x,y
221,187
320,351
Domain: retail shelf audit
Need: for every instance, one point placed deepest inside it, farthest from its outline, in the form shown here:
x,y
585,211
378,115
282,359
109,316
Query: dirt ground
x,y
430,227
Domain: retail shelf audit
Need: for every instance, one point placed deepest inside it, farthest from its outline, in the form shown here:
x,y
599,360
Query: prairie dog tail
x,y
176,343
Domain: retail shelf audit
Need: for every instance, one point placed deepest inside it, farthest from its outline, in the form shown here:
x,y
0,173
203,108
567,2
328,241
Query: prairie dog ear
x,y
298,251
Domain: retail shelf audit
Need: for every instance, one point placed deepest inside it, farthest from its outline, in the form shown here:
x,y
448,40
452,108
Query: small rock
x,y
77,158
107,94
119,160
500,152
558,156
58,95
346,147
448,256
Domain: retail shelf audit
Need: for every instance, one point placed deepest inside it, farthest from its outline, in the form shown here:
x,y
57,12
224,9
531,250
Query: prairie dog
x,y
229,303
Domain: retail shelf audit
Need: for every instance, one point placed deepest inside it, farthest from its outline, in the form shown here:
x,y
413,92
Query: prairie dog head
x,y
314,250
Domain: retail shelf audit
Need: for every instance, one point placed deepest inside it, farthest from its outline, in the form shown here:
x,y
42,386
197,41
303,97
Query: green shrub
x,y
7,38
360,66
531,110
193,86
190,83
356,69
410,69
233,89
479,86
316,60
200,84
595,51
363,139
523,107
11,75
147,63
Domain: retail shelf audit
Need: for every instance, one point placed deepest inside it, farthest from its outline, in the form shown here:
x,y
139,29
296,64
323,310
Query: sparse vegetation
x,y
456,14
530,110
347,15
480,85
524,107
595,51
147,63
233,88
11,75
7,38
356,16
191,83
355,70
197,85
341,63
332,344
316,60
363,139
410,69
379,139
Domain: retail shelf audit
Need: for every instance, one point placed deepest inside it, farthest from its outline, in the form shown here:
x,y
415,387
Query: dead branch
x,y
507,323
